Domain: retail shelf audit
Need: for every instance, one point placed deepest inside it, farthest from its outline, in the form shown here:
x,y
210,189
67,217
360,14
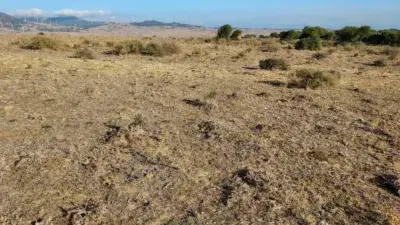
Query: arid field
x,y
199,136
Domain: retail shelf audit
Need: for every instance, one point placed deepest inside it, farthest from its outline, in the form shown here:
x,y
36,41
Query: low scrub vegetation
x,y
274,64
391,52
380,63
270,45
320,55
313,79
84,53
39,42
226,31
309,43
163,49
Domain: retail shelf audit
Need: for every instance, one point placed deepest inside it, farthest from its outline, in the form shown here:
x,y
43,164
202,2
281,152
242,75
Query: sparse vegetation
x,y
320,55
84,53
391,52
305,78
225,31
39,42
272,64
236,34
380,63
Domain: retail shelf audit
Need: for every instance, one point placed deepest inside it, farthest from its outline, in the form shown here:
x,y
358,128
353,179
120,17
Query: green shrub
x,y
272,64
274,35
39,42
380,63
310,43
236,34
353,34
385,37
329,36
225,31
317,32
313,79
84,53
289,35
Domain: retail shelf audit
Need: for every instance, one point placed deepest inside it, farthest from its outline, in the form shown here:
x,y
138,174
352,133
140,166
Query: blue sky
x,y
239,13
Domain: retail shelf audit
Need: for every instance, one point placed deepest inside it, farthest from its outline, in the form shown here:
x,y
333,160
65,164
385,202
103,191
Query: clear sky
x,y
239,13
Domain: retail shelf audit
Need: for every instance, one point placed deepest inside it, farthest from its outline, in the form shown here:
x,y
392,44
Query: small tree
x,y
236,34
225,31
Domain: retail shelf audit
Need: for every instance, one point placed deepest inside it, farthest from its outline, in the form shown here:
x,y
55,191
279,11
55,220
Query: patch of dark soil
x,y
251,178
234,95
262,94
208,130
112,133
190,218
77,214
258,128
227,190
197,103
389,182
366,217
275,83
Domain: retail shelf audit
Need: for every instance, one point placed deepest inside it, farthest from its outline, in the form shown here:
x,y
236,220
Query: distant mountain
x,y
154,23
67,21
8,21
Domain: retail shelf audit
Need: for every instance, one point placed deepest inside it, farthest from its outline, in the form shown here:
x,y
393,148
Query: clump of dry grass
x,y
272,64
159,50
380,63
320,55
270,45
39,42
84,53
392,52
305,78
126,47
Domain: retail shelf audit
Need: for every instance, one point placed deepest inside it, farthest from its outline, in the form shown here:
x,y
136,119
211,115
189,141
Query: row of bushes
x,y
123,48
347,34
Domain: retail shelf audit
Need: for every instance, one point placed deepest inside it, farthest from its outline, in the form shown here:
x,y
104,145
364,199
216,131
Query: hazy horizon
x,y
249,14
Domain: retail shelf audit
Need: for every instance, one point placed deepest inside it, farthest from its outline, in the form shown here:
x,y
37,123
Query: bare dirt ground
x,y
200,137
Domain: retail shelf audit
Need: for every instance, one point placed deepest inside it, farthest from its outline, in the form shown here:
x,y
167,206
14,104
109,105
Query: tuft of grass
x,y
305,78
320,55
392,52
380,63
159,50
270,45
126,47
272,64
39,42
84,53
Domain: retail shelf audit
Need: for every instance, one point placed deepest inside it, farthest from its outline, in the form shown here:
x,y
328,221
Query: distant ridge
x,y
155,23
10,22
68,21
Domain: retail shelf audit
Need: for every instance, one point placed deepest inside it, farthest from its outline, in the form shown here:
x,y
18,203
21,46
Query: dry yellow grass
x,y
201,136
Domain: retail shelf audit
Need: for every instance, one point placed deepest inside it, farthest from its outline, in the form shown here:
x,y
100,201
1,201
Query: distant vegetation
x,y
227,32
39,42
154,23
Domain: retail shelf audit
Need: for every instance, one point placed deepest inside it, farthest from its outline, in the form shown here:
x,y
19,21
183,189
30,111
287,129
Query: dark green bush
x,y
272,64
310,43
305,78
289,35
385,37
329,36
236,34
39,42
225,31
274,35
317,32
354,34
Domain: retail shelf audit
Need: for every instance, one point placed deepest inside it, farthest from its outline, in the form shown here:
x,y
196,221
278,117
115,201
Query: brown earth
x,y
199,137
